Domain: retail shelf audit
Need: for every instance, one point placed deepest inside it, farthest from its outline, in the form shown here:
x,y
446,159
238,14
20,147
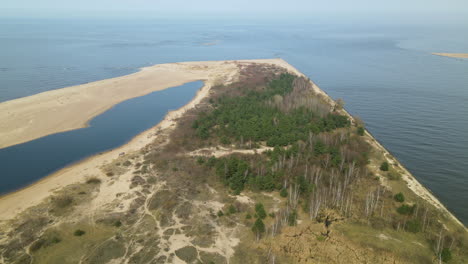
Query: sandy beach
x,y
452,55
77,105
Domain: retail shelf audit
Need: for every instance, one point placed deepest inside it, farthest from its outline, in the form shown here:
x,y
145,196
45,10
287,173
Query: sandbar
x,y
452,55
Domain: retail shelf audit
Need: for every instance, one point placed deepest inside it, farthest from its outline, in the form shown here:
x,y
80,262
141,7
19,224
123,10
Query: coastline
x,y
28,118
13,203
452,55
411,182
214,72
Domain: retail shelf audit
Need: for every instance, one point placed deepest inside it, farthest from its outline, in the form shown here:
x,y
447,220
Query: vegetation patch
x,y
187,254
399,197
384,166
93,180
79,232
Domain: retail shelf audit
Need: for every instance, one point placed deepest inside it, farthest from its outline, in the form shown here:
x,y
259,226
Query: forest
x,y
318,160
254,117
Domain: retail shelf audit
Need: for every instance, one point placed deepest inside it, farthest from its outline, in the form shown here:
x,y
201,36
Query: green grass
x,y
412,247
71,248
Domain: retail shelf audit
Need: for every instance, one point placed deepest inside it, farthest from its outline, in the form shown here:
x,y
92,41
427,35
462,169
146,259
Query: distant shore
x,y
452,55
212,73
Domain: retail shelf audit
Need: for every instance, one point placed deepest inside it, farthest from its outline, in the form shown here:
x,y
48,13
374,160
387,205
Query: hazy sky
x,y
425,9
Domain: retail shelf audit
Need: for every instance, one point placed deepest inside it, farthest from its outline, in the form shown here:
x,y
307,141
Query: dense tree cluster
x,y
251,118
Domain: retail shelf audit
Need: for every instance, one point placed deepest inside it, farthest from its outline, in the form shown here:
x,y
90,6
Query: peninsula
x,y
262,166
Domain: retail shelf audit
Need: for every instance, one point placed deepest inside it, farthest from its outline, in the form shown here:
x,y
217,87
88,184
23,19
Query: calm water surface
x,y
415,103
25,163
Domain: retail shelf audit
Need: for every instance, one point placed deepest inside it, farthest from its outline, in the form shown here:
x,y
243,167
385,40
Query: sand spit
x,y
452,55
155,77
70,108
86,96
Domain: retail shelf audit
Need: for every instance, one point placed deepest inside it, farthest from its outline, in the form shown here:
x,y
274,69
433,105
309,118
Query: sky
x,y
393,9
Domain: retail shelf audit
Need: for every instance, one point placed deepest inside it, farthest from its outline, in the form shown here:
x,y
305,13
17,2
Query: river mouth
x,y
29,162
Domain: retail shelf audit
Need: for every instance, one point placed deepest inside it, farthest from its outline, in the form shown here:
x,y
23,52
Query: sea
x,y
413,102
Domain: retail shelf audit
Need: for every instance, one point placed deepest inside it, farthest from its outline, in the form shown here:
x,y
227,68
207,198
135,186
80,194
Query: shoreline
x,y
91,164
451,55
60,110
15,202
11,204
411,182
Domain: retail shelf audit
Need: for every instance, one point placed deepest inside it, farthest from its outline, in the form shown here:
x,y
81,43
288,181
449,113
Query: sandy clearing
x,y
452,55
222,151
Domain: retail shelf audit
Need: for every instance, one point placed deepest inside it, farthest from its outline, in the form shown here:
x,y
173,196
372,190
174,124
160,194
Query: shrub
x,y
232,171
232,209
446,255
360,131
110,174
260,210
118,223
79,232
211,162
399,197
283,192
384,166
339,104
44,242
220,213
62,201
406,209
200,160
393,176
413,226
272,215
225,140
93,180
127,163
258,227
292,218
248,216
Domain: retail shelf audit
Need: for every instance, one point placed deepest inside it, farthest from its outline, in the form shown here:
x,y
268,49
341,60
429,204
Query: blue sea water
x,y
414,103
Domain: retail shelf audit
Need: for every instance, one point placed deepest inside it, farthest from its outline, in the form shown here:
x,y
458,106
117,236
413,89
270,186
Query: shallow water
x,y
28,162
414,103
